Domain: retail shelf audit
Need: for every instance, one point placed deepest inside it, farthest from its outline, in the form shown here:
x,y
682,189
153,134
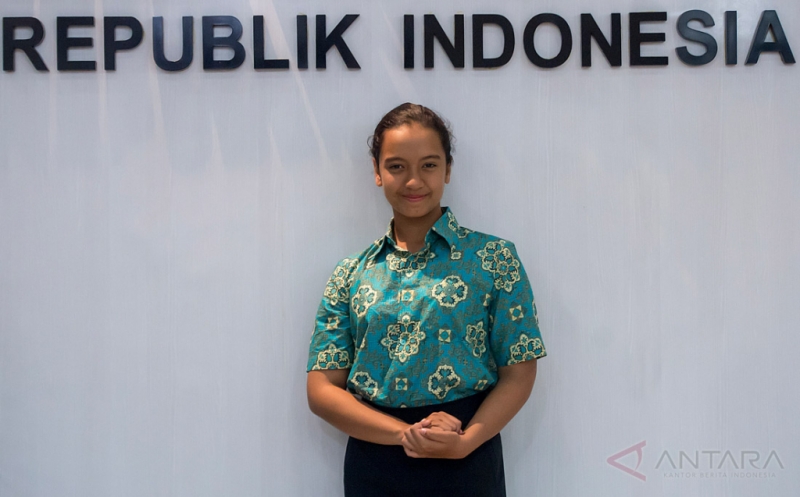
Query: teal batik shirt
x,y
427,327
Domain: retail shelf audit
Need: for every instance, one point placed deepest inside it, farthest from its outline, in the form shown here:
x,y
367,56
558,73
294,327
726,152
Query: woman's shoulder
x,y
463,237
355,260
351,262
479,239
343,276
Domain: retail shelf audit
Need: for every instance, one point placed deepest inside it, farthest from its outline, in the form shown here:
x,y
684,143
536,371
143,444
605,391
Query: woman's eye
x,y
393,167
430,165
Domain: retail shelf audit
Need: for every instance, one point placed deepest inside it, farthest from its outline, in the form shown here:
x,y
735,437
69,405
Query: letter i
x,y
408,42
302,42
731,41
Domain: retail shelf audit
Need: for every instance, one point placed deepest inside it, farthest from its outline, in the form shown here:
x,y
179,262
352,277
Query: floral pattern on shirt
x,y
442,381
498,260
476,338
460,231
525,349
332,358
427,327
365,296
338,287
409,263
403,338
364,384
450,291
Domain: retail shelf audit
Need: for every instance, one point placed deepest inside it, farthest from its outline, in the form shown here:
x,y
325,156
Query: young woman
x,y
425,343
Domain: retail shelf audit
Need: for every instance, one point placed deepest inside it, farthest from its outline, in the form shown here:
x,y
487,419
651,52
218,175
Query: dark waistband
x,y
463,409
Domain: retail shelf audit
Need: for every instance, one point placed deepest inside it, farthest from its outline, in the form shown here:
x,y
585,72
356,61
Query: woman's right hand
x,y
442,421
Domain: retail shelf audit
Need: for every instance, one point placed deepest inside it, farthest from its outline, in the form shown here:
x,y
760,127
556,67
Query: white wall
x,y
165,239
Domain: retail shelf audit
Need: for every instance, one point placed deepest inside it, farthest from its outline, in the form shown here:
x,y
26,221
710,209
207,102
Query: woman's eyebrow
x,y
401,159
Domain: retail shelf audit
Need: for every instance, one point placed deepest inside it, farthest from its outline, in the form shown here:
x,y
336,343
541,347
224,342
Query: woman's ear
x,y
447,173
376,169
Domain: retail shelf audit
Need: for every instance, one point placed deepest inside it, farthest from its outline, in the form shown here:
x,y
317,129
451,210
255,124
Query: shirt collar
x,y
446,227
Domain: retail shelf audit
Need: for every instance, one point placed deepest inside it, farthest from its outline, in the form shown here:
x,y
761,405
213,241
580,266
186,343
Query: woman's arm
x,y
513,388
329,400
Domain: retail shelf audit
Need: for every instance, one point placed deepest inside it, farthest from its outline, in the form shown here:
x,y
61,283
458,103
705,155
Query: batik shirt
x,y
427,327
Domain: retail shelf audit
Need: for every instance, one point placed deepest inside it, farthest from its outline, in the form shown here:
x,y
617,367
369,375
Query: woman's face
x,y
412,170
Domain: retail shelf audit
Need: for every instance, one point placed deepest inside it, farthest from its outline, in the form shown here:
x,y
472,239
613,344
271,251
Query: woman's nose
x,y
413,178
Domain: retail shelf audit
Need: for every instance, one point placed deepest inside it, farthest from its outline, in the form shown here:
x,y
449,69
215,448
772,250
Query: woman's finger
x,y
443,420
421,444
414,441
439,436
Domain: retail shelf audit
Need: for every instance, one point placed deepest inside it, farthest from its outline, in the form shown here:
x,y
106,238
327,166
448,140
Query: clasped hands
x,y
437,436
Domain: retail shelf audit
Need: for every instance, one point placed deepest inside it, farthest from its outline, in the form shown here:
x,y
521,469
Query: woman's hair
x,y
409,113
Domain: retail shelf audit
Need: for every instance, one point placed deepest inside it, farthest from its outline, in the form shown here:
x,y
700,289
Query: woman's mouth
x,y
414,198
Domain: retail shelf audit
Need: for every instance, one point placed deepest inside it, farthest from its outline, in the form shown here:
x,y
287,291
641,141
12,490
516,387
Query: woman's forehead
x,y
411,139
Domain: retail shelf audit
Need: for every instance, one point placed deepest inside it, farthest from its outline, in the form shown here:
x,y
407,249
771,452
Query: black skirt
x,y
373,470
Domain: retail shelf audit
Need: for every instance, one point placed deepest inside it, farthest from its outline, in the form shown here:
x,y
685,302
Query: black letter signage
x,y
64,43
637,38
258,48
27,45
612,51
700,37
454,51
478,22
188,45
211,41
770,22
530,48
334,39
110,43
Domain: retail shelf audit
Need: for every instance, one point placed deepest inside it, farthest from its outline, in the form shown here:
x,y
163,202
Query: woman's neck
x,y
409,232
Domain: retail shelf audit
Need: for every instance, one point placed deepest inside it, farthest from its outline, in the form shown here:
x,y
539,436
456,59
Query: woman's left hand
x,y
419,441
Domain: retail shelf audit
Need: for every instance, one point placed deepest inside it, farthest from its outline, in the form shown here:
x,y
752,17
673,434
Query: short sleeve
x,y
514,324
332,341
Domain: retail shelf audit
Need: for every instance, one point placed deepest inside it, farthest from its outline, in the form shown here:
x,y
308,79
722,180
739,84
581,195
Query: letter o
x,y
566,40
